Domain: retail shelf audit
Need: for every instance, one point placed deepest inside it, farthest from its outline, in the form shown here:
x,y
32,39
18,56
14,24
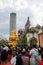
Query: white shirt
x,y
33,51
13,60
6,48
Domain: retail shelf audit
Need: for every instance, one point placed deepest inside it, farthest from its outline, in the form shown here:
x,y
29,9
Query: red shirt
x,y
9,57
40,62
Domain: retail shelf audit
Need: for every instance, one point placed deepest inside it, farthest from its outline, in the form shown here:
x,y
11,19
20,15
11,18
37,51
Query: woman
x,y
25,59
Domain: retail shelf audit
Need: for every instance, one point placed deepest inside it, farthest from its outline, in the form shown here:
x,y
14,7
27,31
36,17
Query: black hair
x,y
4,55
34,46
23,53
27,49
10,52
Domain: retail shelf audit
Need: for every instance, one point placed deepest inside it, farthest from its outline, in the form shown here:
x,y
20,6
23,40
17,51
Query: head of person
x,y
10,52
26,49
34,46
4,56
19,50
23,52
39,50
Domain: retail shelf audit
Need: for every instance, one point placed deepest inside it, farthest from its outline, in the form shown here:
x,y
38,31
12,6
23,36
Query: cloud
x,y
7,36
4,27
23,9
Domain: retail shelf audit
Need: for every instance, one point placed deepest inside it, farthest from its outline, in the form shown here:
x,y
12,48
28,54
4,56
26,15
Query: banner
x,y
40,39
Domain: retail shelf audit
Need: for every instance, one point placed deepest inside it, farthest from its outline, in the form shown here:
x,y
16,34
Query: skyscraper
x,y
12,21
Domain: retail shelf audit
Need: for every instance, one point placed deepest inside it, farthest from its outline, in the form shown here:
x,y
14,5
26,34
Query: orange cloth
x,y
39,58
5,63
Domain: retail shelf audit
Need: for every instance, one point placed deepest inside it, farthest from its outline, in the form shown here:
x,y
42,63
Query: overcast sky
x,y
23,9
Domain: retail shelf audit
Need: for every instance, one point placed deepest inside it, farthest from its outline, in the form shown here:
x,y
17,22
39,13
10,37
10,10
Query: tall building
x,y
12,37
12,21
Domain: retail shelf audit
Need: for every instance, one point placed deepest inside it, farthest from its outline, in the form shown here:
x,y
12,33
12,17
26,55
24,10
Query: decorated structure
x,y
34,34
12,38
31,33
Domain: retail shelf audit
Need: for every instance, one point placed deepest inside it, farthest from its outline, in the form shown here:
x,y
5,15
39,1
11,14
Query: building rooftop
x,y
12,13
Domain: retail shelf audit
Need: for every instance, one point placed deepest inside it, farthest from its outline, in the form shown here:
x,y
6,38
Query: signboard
x,y
40,39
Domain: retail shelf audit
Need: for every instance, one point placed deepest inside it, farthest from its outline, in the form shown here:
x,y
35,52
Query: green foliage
x,y
23,39
3,42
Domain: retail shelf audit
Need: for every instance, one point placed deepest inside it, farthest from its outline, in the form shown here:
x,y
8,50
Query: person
x,y
25,58
13,60
18,58
4,58
27,52
41,61
6,48
33,56
9,56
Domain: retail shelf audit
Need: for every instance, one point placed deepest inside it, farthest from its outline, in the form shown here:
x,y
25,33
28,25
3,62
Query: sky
x,y
23,9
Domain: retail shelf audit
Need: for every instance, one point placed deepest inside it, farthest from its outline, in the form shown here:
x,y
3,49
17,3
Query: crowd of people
x,y
21,55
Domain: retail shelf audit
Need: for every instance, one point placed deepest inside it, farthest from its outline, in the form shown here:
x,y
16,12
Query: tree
x,y
23,39
3,41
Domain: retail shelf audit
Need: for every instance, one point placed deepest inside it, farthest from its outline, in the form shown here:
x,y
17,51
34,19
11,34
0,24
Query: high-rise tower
x,y
12,21
13,36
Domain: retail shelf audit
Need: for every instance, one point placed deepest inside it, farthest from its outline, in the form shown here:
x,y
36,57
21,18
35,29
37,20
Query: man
x,y
25,58
4,58
13,60
33,56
